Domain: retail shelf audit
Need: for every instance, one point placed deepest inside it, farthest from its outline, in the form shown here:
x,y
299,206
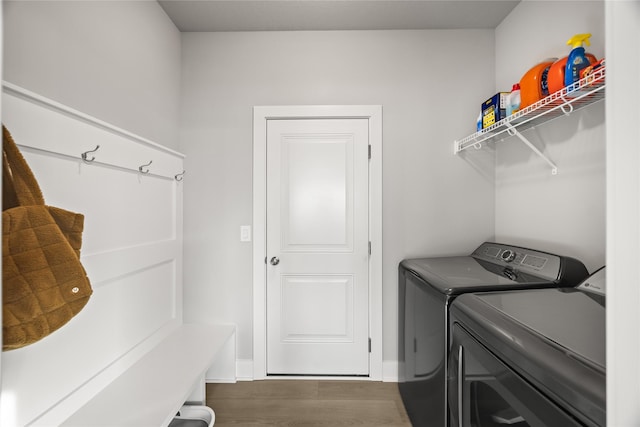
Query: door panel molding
x,y
320,224
305,316
373,113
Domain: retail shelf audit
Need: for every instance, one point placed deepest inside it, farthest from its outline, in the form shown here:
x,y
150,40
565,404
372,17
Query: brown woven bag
x,y
43,282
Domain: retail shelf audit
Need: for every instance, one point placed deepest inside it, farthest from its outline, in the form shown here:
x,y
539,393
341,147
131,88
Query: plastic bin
x,y
194,416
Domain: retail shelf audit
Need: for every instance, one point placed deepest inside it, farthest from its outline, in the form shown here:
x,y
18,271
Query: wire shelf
x,y
586,91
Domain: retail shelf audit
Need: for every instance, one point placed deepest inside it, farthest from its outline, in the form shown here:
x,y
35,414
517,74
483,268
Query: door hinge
x,y
369,247
369,345
369,151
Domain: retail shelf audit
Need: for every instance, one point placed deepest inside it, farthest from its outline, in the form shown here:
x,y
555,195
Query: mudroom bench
x,y
150,392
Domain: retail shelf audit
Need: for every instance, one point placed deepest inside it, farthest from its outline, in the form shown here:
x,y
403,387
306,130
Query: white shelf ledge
x,y
151,391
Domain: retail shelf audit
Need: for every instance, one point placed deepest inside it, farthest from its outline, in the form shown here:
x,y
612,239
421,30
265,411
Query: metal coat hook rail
x,y
143,169
84,156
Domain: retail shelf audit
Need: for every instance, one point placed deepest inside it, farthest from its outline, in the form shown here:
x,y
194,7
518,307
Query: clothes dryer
x,y
428,286
533,358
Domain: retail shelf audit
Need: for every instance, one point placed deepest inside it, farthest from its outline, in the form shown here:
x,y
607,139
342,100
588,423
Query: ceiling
x,y
321,15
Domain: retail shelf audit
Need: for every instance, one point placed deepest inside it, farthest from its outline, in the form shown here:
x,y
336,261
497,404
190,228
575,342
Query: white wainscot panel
x,y
119,315
317,308
121,208
132,251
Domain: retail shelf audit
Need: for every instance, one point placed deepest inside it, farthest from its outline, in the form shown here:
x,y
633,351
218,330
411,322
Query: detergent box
x,y
494,109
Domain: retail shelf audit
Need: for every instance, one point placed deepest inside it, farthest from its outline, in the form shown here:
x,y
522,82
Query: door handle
x,y
275,260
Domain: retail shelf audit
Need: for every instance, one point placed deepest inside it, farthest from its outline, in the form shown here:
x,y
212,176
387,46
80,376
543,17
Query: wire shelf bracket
x,y
514,132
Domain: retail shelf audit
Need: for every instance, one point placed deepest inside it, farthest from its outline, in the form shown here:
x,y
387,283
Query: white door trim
x,y
260,116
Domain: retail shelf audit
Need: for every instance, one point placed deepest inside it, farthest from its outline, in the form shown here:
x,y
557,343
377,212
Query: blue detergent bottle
x,y
577,60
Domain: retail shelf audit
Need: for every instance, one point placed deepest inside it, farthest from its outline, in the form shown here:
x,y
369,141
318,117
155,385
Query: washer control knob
x,y
508,255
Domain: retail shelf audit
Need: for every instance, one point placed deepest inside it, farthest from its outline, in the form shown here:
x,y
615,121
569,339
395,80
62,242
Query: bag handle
x,y
19,185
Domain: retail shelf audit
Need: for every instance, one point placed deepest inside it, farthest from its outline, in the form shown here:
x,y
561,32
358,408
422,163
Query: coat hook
x,y
180,176
141,167
84,155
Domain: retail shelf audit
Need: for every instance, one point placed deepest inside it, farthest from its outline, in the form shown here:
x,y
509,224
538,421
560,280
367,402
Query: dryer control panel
x,y
518,259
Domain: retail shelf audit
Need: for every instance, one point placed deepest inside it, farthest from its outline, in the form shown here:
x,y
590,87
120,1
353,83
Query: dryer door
x,y
484,392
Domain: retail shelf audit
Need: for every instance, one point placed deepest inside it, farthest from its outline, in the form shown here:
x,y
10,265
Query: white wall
x,y
563,213
118,61
430,84
623,213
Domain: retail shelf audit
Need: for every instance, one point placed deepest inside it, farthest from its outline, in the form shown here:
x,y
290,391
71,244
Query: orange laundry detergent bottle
x,y
533,85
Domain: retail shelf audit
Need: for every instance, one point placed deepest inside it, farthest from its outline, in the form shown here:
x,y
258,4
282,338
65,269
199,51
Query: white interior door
x,y
317,247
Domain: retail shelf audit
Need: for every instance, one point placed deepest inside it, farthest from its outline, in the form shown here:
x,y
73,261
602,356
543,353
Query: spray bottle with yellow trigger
x,y
577,59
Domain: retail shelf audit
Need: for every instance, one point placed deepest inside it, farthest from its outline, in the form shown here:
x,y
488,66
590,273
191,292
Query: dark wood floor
x,y
307,403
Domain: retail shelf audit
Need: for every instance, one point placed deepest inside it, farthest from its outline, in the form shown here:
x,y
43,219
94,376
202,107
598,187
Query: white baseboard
x,y
243,372
244,369
390,371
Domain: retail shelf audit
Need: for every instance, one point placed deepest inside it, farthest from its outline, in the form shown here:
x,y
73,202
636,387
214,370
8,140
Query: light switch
x,y
245,233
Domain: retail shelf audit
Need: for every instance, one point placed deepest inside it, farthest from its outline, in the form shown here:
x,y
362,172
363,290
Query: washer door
x,y
484,392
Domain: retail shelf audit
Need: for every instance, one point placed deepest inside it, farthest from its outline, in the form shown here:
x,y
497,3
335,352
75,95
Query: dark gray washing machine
x,y
428,286
532,358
